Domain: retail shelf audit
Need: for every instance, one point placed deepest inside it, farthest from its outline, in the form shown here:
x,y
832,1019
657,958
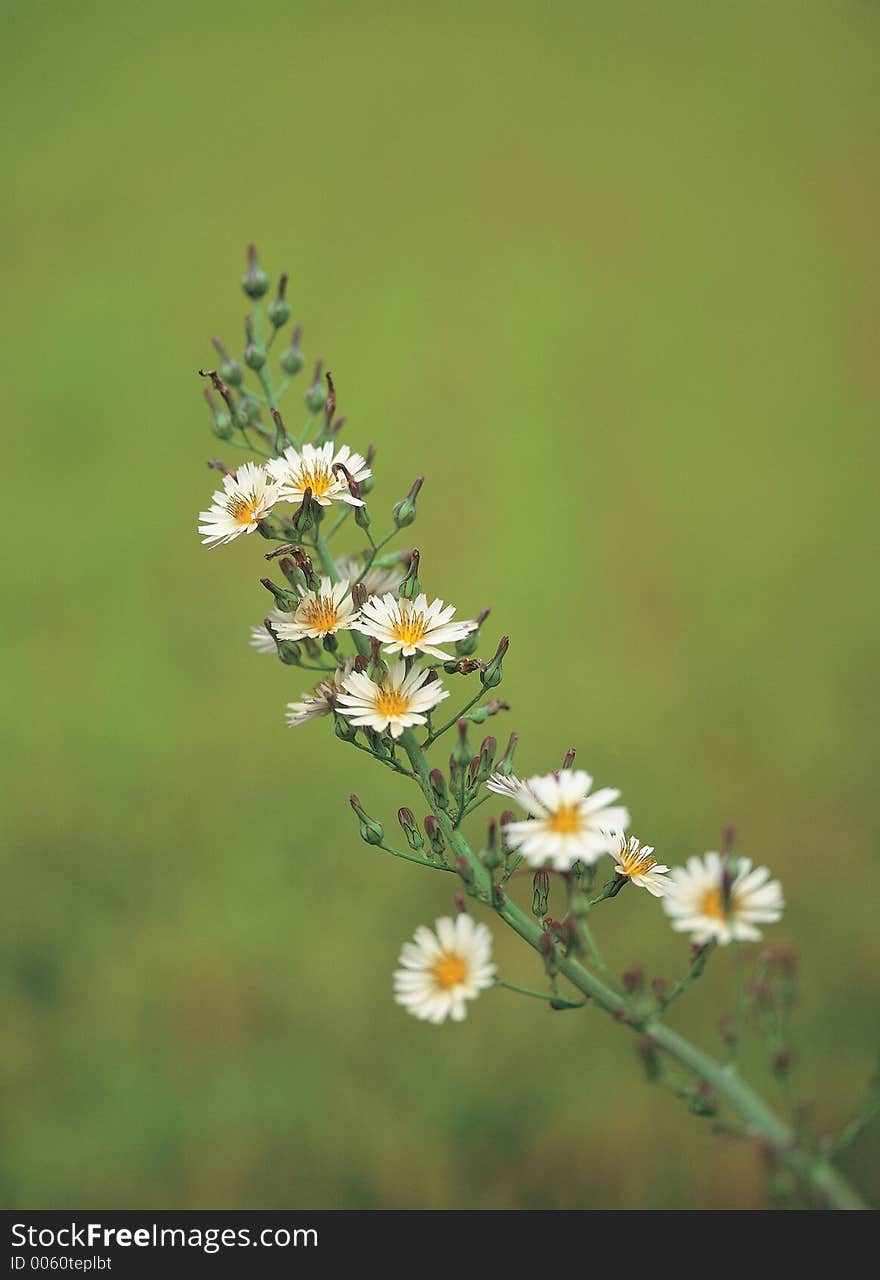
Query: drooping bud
x,y
407,820
255,282
316,396
435,835
540,894
330,405
285,600
371,830
230,370
292,359
469,644
438,787
254,352
279,307
410,587
463,667
405,511
479,715
223,392
492,676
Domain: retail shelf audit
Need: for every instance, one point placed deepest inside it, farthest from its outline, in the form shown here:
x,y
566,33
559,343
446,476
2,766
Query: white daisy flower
x,y
412,626
260,638
321,613
312,468
245,498
695,900
568,823
441,971
636,862
377,580
396,703
321,701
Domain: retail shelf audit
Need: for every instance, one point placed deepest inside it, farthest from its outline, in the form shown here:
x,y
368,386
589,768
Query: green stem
x,y
557,1001
327,562
408,857
692,974
455,719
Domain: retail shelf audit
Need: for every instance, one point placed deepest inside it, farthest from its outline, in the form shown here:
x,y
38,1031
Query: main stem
x,y
830,1187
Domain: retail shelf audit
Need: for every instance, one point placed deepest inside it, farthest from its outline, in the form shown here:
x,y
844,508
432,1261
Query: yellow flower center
x,y
322,614
391,702
713,905
637,862
409,628
565,821
243,508
319,478
449,971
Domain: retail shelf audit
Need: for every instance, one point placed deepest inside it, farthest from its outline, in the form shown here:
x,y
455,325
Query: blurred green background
x,y
607,274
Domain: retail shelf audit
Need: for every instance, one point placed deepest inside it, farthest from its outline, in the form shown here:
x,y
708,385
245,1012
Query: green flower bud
x,y
254,352
371,830
435,836
230,370
316,395
438,787
406,818
405,511
292,360
305,514
285,600
469,644
410,587
492,675
279,308
487,754
255,282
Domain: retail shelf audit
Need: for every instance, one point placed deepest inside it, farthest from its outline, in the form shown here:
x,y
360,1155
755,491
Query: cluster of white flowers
x,y
249,495
568,823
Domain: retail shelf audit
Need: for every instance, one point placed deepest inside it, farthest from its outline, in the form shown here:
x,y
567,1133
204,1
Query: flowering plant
x,y
386,657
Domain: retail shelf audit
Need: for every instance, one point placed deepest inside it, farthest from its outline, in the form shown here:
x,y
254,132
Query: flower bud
x,y
568,759
407,820
304,563
254,352
505,764
230,370
362,518
285,600
488,747
405,511
438,787
255,282
316,396
410,587
249,409
463,667
312,648
492,675
359,595
279,307
435,835
292,360
658,988
371,830
469,644
305,514
490,856
633,980
480,715
221,422
461,752
540,894
288,650
377,669
330,642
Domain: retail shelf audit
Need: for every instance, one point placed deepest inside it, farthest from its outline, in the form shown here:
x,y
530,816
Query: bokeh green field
x,y
607,275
